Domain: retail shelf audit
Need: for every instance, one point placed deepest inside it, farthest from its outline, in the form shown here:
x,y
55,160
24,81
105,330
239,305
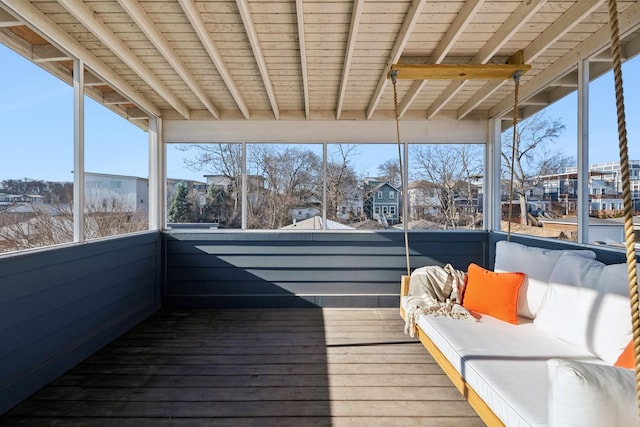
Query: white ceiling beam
x,y
456,28
410,21
303,56
155,36
502,35
250,29
87,18
572,17
114,98
199,26
8,20
356,14
48,53
136,114
628,21
60,37
92,80
539,99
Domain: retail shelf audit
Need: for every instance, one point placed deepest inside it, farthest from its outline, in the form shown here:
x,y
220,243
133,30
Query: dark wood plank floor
x,y
332,367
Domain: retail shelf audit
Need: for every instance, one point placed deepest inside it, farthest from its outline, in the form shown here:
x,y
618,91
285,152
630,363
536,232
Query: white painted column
x,y
493,162
157,174
405,187
78,151
245,197
324,185
583,151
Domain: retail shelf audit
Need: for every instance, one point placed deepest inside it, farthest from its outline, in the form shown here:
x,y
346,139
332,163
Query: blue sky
x,y
37,130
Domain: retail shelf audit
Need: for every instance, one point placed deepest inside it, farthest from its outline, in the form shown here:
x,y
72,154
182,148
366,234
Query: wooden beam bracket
x,y
514,66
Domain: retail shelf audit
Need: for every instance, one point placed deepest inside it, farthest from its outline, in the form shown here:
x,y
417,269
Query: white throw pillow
x,y
537,265
588,395
587,304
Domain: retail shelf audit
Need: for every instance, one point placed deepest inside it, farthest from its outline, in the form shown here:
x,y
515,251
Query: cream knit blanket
x,y
434,290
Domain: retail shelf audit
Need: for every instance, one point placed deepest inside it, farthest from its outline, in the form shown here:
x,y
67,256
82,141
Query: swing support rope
x,y
626,189
405,207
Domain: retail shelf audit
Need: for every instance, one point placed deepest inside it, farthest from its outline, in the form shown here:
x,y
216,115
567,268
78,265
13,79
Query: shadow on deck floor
x,y
280,367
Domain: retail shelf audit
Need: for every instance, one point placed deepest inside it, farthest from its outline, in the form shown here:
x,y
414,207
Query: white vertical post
x,y
156,174
583,151
491,201
405,187
78,151
245,196
324,185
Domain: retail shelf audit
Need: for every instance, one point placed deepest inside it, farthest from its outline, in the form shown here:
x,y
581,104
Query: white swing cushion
x,y
591,395
587,304
537,264
504,363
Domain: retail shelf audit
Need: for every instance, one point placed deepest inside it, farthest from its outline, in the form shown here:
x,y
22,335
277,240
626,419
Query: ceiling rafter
x,y
62,38
572,17
245,13
8,20
627,20
457,27
148,27
86,17
356,14
303,56
199,26
410,21
501,36
48,53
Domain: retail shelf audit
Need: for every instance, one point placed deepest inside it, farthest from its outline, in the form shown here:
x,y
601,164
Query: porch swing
x,y
514,69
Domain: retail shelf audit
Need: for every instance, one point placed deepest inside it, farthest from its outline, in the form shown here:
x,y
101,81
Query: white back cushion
x,y
589,395
537,264
587,304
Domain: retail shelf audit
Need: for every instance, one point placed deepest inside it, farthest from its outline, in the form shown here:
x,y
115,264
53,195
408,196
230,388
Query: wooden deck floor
x,y
332,367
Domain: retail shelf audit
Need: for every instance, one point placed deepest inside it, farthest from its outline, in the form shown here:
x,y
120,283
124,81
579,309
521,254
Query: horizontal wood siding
x,y
58,306
314,269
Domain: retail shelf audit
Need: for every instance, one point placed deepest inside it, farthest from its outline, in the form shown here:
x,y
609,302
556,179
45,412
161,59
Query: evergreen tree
x,y
180,208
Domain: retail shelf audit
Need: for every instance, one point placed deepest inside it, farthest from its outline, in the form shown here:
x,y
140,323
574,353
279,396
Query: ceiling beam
x,y
457,71
356,14
250,29
8,20
48,53
410,21
155,36
628,20
501,36
136,114
87,18
456,28
114,98
572,17
303,56
92,80
199,26
60,37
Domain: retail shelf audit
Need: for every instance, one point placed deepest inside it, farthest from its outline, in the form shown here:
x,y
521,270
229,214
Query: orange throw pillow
x,y
627,358
493,294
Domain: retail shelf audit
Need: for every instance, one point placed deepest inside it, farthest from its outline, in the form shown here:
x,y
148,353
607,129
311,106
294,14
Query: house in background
x,y
121,193
381,201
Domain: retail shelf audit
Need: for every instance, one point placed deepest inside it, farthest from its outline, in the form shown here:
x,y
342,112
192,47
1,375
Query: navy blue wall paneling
x,y
59,305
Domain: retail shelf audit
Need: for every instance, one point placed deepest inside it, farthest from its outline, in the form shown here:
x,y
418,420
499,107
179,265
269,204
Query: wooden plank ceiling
x,y
306,60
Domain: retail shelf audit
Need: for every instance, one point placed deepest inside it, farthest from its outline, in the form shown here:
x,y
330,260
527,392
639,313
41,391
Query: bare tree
x,y
449,170
293,179
220,159
532,156
341,180
390,171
